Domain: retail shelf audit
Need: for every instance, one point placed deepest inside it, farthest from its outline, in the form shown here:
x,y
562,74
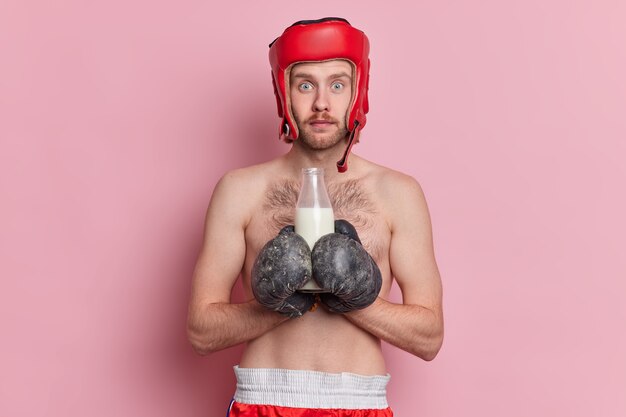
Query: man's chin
x,y
320,144
320,141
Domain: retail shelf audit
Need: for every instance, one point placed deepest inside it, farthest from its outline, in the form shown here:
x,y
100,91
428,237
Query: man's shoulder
x,y
250,177
239,192
390,180
398,192
240,189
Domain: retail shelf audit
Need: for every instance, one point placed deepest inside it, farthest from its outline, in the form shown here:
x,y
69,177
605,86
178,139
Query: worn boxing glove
x,y
281,268
344,268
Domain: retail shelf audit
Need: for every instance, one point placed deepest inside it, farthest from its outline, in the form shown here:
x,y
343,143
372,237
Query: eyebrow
x,y
307,75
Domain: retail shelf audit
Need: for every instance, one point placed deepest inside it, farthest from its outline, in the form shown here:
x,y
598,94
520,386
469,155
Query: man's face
x,y
320,94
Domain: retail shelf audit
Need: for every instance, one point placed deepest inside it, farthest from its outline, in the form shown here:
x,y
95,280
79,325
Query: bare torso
x,y
319,340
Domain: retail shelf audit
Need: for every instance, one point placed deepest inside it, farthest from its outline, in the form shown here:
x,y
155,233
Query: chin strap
x,y
342,164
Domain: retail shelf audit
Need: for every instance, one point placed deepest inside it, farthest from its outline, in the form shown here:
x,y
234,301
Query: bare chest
x,y
351,201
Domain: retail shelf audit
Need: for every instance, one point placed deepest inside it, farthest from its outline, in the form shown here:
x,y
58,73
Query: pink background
x,y
117,119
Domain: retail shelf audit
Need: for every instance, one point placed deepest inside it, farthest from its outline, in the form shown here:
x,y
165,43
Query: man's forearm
x,y
412,328
221,325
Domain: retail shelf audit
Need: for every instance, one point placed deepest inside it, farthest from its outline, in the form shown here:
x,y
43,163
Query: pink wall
x,y
117,119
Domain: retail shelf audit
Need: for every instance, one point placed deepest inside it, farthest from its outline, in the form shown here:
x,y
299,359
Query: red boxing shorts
x,y
294,393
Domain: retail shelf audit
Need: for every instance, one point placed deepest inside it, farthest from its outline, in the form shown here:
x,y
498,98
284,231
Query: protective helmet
x,y
316,41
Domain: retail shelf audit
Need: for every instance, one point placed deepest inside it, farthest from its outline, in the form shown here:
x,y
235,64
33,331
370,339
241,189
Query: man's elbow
x,y
429,350
430,354
199,342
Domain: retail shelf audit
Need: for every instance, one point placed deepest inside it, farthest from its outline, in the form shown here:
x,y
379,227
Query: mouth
x,y
321,123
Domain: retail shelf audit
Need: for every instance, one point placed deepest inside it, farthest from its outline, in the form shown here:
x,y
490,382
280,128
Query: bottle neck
x,y
313,189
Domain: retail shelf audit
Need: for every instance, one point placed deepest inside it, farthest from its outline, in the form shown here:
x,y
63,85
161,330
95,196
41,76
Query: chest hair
x,y
349,200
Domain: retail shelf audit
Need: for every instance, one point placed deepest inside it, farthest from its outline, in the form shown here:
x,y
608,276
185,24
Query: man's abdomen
x,y
317,341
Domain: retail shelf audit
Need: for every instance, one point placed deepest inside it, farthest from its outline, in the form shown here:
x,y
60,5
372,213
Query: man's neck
x,y
300,157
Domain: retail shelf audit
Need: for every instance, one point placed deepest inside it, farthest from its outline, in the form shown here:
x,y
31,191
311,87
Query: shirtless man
x,y
319,353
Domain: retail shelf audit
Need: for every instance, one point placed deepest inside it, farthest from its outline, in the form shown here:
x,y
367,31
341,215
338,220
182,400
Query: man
x,y
327,357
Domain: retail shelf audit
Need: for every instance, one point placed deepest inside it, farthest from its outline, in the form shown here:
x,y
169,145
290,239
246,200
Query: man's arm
x,y
416,325
214,323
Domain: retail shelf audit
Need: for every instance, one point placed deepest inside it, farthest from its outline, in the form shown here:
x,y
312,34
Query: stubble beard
x,y
316,142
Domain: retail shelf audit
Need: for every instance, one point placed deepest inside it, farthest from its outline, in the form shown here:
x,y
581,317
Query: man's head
x,y
323,41
320,94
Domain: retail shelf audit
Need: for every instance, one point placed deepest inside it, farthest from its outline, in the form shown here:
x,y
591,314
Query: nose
x,y
321,101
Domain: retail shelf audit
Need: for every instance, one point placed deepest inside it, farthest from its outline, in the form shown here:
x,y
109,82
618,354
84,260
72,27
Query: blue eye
x,y
337,86
306,86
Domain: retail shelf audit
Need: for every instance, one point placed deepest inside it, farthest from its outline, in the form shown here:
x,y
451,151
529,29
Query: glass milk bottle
x,y
314,213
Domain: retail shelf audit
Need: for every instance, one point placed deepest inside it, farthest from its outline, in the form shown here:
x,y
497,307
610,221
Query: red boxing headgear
x,y
316,41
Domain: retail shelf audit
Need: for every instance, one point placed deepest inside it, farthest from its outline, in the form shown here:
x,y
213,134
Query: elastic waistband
x,y
310,389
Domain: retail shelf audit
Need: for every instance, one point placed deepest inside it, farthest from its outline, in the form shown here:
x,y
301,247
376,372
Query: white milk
x,y
313,223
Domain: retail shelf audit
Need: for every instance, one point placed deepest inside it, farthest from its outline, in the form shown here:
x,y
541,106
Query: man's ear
x,y
290,117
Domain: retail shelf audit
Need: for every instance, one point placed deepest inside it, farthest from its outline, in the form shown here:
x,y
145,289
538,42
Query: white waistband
x,y
310,389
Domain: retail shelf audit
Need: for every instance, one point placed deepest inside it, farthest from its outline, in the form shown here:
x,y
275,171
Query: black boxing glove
x,y
344,268
282,267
